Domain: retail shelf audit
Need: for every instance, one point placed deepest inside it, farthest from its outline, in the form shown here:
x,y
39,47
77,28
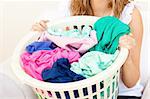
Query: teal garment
x,y
93,63
85,32
109,29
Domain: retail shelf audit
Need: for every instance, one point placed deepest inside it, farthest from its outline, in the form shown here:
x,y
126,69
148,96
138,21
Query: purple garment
x,y
60,73
43,45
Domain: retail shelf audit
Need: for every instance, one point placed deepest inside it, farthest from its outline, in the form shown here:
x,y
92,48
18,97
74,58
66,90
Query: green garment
x,y
109,29
85,32
93,63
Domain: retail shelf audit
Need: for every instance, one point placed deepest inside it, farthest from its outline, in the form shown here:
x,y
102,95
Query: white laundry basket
x,y
101,86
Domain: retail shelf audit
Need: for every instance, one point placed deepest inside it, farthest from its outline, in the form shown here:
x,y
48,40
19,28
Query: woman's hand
x,y
40,26
127,41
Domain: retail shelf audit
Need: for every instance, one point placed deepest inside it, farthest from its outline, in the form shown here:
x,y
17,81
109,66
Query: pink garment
x,y
35,63
75,44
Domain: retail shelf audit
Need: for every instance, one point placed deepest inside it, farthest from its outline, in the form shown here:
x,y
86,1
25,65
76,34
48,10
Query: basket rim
x,y
27,79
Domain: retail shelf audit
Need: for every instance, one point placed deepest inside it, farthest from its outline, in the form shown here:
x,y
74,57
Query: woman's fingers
x,y
38,28
45,21
127,41
41,26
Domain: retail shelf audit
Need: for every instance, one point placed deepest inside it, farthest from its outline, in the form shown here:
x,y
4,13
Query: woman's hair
x,y
83,7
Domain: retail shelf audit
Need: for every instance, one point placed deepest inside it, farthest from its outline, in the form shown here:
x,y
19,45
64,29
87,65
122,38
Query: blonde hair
x,y
83,7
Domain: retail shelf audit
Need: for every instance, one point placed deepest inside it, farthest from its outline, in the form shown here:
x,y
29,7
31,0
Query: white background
x,y
17,17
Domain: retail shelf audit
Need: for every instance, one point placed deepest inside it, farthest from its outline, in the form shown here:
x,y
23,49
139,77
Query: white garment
x,y
125,17
146,94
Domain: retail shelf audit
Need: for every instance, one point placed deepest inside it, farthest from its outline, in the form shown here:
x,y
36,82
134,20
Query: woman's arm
x,y
131,69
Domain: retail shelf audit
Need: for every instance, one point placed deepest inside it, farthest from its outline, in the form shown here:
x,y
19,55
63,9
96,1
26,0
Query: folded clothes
x,y
109,29
74,39
44,45
93,63
74,44
35,63
60,73
75,33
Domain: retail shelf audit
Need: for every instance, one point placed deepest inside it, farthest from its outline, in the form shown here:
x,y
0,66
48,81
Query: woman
x,y
126,11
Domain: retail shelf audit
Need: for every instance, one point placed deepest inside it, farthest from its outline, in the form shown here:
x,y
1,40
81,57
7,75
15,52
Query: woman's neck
x,y
100,7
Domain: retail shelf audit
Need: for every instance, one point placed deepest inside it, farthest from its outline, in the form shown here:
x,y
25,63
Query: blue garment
x,y
44,45
60,73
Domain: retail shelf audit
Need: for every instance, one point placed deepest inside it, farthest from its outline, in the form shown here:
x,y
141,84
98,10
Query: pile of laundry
x,y
68,55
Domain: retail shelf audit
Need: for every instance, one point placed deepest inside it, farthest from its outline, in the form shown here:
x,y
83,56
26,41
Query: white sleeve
x,y
126,15
62,9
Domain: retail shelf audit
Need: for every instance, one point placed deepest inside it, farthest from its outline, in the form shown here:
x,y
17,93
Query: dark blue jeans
x,y
128,97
